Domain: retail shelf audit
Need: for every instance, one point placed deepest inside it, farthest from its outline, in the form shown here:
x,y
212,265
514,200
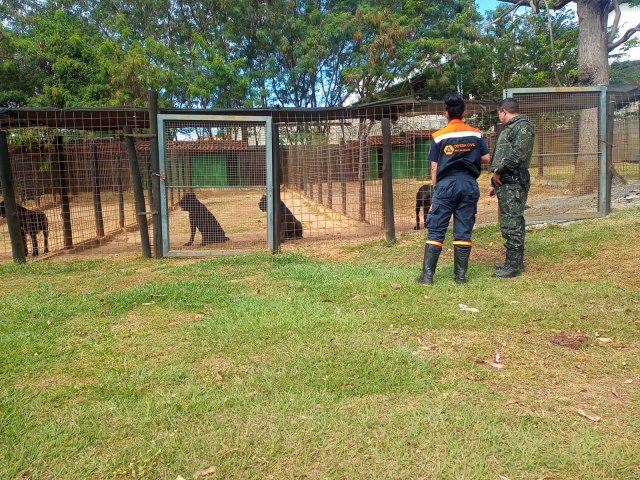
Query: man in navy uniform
x,y
456,155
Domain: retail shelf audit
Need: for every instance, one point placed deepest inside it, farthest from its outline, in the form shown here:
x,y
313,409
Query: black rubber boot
x,y
431,255
514,265
460,262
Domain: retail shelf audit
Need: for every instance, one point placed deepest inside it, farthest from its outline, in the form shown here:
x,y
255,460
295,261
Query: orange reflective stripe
x,y
433,242
455,125
462,242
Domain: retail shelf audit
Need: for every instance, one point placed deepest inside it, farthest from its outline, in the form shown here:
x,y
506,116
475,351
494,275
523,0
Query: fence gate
x,y
214,171
569,165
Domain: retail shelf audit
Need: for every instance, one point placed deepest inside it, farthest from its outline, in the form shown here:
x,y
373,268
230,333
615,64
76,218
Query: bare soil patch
x,y
327,228
573,340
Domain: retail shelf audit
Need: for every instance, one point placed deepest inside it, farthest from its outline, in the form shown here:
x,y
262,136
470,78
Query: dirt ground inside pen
x,y
246,225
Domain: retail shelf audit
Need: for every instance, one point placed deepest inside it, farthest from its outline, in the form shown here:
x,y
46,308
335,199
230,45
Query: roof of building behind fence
x,y
96,118
114,118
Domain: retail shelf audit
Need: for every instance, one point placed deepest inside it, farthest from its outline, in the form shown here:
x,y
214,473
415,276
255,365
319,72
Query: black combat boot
x,y
460,262
514,265
431,255
500,265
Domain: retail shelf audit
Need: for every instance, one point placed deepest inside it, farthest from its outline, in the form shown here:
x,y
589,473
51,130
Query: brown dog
x,y
31,222
202,219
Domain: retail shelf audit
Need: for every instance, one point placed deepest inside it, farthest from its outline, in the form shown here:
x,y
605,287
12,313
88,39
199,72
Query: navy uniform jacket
x,y
457,147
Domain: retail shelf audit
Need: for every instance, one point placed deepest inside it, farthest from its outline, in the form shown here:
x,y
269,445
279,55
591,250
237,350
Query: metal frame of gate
x,y
266,121
605,134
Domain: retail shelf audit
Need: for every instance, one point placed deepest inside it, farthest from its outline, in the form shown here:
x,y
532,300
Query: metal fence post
x,y
120,191
97,200
342,154
65,207
606,167
363,159
387,180
138,192
10,210
274,240
155,173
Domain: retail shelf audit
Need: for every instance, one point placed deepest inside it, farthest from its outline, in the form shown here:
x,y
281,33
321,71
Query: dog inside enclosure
x,y
31,223
203,220
423,201
290,226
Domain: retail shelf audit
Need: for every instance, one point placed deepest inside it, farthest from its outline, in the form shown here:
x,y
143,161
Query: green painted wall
x,y
421,165
374,167
209,170
213,171
405,164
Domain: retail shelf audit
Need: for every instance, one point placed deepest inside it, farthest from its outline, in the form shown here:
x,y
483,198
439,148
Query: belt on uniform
x,y
510,179
458,171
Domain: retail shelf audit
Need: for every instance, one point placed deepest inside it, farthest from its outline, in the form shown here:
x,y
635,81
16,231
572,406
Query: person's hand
x,y
491,191
495,178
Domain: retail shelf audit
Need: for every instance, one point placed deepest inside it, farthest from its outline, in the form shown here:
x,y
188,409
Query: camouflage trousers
x,y
512,198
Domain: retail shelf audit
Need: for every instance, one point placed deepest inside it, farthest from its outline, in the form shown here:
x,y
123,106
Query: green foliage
x,y
58,51
625,72
15,81
308,53
397,41
523,55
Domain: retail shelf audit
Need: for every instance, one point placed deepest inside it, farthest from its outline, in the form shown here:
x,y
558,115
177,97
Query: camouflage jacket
x,y
512,154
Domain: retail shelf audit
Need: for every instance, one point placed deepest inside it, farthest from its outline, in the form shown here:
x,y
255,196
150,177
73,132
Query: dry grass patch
x,y
151,319
59,379
617,261
537,375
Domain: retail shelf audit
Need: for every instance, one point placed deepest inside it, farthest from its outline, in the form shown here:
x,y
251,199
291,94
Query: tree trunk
x,y
593,70
593,63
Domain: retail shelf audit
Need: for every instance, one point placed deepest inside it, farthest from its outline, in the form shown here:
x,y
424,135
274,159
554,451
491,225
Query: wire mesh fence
x,y
72,167
329,175
586,140
215,179
72,185
625,156
332,168
567,153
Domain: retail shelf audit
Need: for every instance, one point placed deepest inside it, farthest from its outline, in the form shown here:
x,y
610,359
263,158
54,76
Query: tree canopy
x,y
595,38
304,53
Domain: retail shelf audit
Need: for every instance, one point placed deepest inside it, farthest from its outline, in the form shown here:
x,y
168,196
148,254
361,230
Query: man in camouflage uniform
x,y
510,182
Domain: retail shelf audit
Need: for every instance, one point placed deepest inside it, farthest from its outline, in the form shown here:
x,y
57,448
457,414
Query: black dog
x,y
31,222
290,226
202,219
423,200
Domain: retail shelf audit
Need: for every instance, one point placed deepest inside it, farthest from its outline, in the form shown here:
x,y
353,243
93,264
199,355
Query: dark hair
x,y
509,104
454,106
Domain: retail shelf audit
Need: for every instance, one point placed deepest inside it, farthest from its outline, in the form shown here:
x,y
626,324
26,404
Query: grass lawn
x,y
327,365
